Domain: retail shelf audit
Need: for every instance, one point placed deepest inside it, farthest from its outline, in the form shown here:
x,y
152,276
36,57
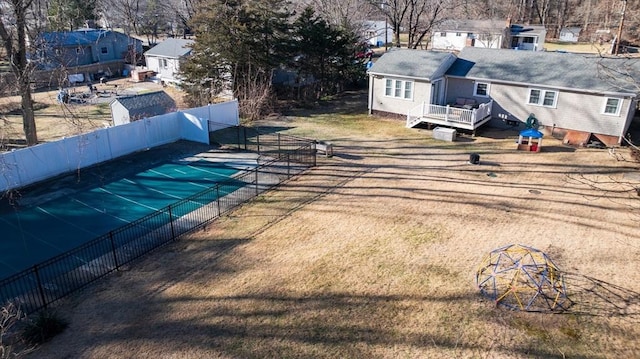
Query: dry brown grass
x,y
372,254
55,121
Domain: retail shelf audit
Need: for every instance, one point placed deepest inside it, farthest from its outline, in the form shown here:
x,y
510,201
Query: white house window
x,y
399,89
104,50
443,34
481,89
546,98
612,106
458,34
163,63
407,89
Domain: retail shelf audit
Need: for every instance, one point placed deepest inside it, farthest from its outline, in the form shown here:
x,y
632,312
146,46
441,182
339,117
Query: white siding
x,y
168,73
119,114
450,41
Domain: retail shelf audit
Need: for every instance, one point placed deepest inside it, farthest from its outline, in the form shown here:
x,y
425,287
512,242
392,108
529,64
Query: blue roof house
x,y
568,93
82,47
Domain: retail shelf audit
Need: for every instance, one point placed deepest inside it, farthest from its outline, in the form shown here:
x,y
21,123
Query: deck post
x,y
446,114
473,116
423,109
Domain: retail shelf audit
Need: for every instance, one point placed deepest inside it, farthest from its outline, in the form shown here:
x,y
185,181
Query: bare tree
x,y
10,317
15,21
125,13
423,15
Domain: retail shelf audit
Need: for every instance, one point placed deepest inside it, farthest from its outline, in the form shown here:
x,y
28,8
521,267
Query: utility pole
x,y
619,35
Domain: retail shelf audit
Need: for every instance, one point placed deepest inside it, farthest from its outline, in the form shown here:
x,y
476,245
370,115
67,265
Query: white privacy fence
x,y
32,164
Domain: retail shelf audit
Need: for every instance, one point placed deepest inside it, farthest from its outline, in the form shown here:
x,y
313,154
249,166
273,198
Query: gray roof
x,y
409,63
149,104
172,48
551,69
474,26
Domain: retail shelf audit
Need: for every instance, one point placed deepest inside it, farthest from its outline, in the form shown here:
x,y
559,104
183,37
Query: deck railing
x,y
448,113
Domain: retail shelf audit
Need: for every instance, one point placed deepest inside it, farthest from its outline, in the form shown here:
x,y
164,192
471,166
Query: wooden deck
x,y
467,119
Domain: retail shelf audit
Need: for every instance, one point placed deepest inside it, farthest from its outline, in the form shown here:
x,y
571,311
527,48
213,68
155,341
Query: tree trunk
x,y
16,49
22,70
28,117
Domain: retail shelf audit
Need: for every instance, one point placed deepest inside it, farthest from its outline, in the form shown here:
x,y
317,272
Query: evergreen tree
x,y
245,39
326,53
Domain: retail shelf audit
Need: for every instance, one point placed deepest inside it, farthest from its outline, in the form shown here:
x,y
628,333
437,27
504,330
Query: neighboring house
x,y
567,93
84,47
493,34
457,34
570,34
377,33
166,57
528,37
132,108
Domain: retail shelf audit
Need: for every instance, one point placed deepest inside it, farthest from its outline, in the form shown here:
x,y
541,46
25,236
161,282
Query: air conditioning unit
x,y
444,134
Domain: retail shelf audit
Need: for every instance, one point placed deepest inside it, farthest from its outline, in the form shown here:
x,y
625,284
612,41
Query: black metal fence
x,y
49,281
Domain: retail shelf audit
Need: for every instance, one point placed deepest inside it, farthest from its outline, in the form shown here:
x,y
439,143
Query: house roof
x,y
75,38
574,30
149,104
550,69
409,63
528,30
171,47
475,26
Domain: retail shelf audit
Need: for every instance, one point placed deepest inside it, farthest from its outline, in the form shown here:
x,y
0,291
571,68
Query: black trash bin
x,y
474,158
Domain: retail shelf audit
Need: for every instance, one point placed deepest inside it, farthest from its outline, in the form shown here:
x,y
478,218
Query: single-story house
x,y
457,34
132,108
567,93
570,34
84,47
377,33
166,57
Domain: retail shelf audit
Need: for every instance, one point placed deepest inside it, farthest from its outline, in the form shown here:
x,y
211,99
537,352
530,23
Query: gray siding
x,y
380,102
574,110
464,88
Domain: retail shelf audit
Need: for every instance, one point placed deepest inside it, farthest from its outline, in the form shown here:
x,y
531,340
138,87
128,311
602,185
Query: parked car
x,y
364,53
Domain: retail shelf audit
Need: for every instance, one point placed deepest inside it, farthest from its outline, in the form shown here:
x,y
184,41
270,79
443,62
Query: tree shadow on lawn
x,y
347,102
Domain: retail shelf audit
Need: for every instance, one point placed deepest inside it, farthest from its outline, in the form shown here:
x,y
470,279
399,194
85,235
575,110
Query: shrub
x,y
45,326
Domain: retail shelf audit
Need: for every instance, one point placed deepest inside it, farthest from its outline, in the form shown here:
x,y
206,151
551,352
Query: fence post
x,y
258,140
40,288
279,150
257,181
113,250
238,135
244,134
313,153
218,198
173,232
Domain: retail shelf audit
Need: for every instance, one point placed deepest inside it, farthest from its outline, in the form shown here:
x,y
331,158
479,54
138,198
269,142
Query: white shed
x,y
570,34
132,108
